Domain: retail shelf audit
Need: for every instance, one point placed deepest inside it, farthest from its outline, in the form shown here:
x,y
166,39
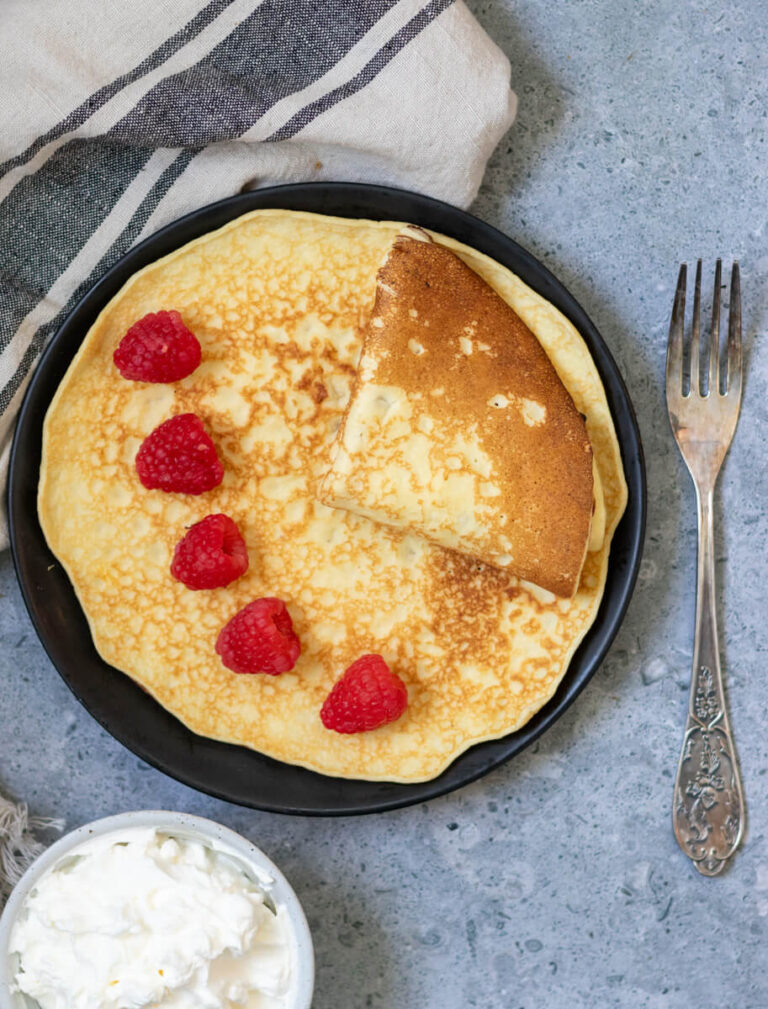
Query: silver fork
x,y
708,812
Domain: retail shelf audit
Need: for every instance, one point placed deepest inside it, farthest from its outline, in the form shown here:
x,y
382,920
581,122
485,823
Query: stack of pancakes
x,y
453,513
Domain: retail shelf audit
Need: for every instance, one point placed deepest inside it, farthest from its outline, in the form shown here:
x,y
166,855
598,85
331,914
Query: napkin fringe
x,y
18,845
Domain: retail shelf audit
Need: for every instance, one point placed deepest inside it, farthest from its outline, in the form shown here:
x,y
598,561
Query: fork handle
x,y
708,807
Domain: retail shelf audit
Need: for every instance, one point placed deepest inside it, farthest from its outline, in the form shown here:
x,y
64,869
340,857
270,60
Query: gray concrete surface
x,y
554,883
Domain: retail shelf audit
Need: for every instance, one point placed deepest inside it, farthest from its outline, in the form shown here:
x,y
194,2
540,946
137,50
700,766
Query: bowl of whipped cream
x,y
154,909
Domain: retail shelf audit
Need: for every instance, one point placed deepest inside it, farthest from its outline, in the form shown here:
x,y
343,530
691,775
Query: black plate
x,y
131,715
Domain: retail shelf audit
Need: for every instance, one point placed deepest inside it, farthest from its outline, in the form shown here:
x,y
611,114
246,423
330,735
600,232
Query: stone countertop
x,y
555,881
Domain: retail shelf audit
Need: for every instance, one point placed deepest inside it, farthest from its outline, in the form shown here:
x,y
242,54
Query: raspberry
x,y
259,639
178,456
211,555
366,697
157,348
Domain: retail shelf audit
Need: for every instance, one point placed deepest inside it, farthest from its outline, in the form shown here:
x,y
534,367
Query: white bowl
x,y
180,825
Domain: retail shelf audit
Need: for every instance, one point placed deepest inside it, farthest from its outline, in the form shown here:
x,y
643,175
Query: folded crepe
x,y
459,428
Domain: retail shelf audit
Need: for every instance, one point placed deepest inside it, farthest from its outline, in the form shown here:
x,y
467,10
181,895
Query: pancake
x,y
459,427
279,301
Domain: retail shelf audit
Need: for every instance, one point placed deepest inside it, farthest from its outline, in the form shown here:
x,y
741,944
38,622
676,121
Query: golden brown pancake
x,y
279,301
459,427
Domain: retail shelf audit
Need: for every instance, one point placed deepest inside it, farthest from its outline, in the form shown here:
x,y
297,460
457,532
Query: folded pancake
x,y
279,301
459,427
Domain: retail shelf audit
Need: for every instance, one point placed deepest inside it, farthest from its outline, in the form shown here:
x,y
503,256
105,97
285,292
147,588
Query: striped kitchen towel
x,y
116,118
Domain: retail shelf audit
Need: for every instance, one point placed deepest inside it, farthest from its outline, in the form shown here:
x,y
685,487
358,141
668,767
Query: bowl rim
x,y
173,822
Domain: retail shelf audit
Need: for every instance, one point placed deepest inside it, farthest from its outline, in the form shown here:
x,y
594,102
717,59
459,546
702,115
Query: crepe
x,y
459,427
279,301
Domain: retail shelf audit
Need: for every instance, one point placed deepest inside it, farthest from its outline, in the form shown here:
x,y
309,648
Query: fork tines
x,y
684,356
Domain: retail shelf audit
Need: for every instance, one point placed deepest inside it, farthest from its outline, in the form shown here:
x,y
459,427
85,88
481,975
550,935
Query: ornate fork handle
x,y
708,807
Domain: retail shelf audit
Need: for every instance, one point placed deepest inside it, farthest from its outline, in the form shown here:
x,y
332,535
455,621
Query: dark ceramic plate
x,y
131,715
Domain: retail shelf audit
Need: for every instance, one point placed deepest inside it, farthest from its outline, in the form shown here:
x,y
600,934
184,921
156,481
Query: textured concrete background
x,y
555,882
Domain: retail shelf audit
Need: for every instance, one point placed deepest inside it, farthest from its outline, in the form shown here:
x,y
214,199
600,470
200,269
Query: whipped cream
x,y
143,918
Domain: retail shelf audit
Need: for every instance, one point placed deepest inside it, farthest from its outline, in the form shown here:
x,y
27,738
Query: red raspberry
x,y
157,348
366,697
178,456
211,555
259,639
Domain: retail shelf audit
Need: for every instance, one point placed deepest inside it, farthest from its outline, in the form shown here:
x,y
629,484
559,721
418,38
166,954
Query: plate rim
x,y
537,276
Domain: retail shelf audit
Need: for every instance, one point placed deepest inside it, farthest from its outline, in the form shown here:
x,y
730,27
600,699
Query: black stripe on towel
x,y
47,218
279,49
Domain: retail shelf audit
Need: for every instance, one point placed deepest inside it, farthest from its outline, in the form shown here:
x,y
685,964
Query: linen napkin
x,y
116,120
